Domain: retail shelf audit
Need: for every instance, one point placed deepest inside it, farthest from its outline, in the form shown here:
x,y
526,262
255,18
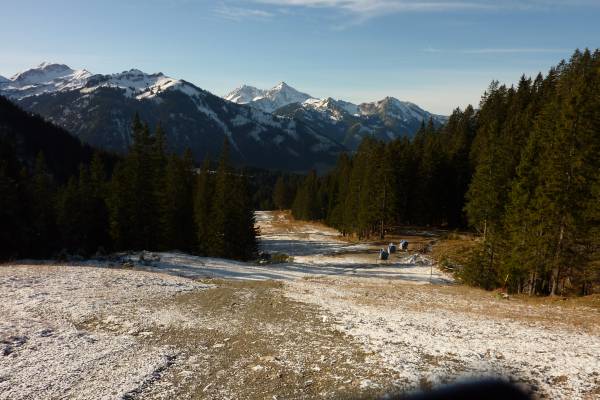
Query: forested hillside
x,y
523,171
24,136
150,200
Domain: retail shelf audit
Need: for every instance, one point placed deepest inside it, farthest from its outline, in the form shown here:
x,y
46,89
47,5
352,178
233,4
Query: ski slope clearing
x,y
413,269
315,250
332,322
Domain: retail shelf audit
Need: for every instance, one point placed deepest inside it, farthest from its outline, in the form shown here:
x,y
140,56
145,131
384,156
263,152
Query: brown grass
x,y
454,250
578,314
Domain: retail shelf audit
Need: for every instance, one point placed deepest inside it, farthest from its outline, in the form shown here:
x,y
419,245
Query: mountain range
x,y
342,121
297,131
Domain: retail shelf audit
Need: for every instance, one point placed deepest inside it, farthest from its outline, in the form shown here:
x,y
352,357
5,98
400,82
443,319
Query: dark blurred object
x,y
480,390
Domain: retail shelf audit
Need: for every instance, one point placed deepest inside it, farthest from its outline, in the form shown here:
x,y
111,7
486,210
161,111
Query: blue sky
x,y
439,54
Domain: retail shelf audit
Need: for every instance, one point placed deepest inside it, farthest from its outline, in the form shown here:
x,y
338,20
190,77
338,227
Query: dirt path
x,y
331,323
257,343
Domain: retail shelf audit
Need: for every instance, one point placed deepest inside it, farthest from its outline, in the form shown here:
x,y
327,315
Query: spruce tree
x,y
171,197
12,234
177,222
569,164
339,187
70,217
243,239
99,224
188,225
222,207
307,205
143,165
202,209
281,194
42,212
121,207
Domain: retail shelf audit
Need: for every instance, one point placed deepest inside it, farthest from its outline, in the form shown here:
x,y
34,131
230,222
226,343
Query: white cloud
x,y
371,8
359,11
241,13
380,7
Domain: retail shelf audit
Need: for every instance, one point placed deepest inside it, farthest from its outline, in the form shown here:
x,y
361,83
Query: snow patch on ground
x,y
315,250
46,347
419,340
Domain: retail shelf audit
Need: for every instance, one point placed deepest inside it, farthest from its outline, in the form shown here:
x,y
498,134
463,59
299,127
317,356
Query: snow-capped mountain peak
x,y
245,94
51,78
46,64
42,73
393,103
45,78
284,94
282,86
393,108
138,84
269,100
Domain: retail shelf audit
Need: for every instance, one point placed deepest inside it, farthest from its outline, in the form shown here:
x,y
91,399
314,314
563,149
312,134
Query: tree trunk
x,y
383,206
556,268
532,282
555,273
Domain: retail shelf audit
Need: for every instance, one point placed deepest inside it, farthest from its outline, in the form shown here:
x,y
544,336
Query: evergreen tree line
x,y
523,171
273,190
535,192
382,186
150,200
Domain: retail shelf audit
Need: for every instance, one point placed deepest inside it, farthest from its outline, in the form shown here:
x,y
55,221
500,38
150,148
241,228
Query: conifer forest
x,y
147,200
522,171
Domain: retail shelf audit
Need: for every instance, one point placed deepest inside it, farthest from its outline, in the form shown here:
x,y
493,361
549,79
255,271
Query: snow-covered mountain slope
x,y
99,110
245,94
340,120
267,100
3,80
400,110
45,78
333,109
349,123
52,78
138,84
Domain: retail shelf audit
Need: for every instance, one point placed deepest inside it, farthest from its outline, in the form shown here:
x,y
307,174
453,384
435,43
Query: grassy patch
x,y
280,258
454,251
